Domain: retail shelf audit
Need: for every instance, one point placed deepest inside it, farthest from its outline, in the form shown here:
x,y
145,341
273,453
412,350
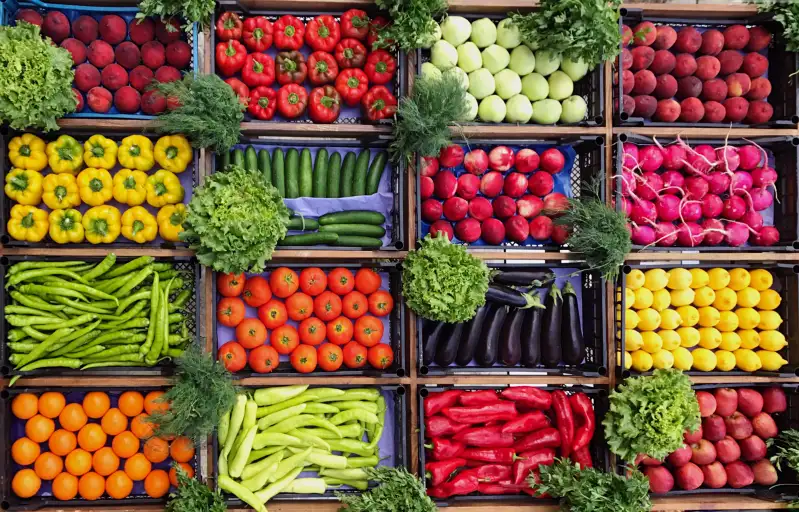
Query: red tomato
x,y
303,359
251,333
230,285
283,282
354,355
273,314
299,306
354,305
368,331
367,281
256,291
339,331
233,356
263,359
327,306
230,311
330,357
340,281
381,303
380,356
312,331
313,281
284,339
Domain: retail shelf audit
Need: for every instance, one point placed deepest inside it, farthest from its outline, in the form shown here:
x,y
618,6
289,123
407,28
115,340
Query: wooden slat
x,y
483,380
99,125
705,133
322,254
278,380
753,379
252,128
527,131
714,256
100,252
94,382
703,10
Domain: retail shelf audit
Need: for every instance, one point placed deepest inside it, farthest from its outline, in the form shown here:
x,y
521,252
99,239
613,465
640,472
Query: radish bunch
x,y
697,196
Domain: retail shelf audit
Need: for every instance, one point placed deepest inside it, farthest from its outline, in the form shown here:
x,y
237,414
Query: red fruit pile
x,y
729,449
123,58
690,76
512,202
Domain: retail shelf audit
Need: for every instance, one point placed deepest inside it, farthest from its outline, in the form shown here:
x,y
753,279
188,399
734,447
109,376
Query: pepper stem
x,y
100,226
66,223
289,31
64,153
96,184
25,150
19,182
137,226
171,152
98,151
129,183
160,189
135,150
27,221
60,192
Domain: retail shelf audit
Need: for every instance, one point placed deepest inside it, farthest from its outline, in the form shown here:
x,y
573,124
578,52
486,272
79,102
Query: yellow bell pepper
x,y
102,224
66,227
170,221
136,152
130,187
24,187
95,185
65,154
163,188
60,191
27,223
173,153
100,152
27,152
139,225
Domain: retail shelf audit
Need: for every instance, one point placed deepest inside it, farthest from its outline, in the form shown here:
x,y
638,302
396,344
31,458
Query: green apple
x,y
522,60
471,114
495,58
535,87
460,75
427,42
520,110
546,63
481,83
508,34
456,30
492,109
574,109
428,69
443,55
469,57
576,69
507,84
560,86
484,32
546,111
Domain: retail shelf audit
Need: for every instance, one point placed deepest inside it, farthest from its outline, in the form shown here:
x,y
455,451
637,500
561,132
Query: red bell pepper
x,y
230,57
546,438
564,420
324,104
322,68
257,34
492,472
259,69
435,402
352,84
495,455
485,437
437,426
263,102
290,68
322,33
501,487
464,483
228,26
529,461
380,67
355,24
528,396
241,90
289,33
479,398
583,411
350,53
292,100
379,103
443,448
582,457
528,422
377,23
440,471
471,415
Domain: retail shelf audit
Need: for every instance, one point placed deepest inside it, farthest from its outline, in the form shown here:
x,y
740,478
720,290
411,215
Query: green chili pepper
x,y
140,295
86,352
24,310
164,318
38,289
52,363
24,265
19,334
161,267
240,459
264,439
353,415
45,346
140,276
277,394
130,266
361,485
79,337
106,364
229,485
279,416
78,320
303,420
324,458
42,272
260,454
34,302
87,290
286,465
306,486
279,484
314,408
21,346
260,468
345,474
111,353
351,430
224,425
352,446
112,285
101,268
354,394
236,419
133,323
88,308
376,431
181,299
363,462
310,439
151,330
366,406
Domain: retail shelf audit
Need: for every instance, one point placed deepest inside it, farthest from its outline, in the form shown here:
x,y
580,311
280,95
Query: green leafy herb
x,y
591,490
424,118
399,491
786,12
413,24
650,415
443,282
192,11
234,221
194,496
787,449
577,29
35,79
209,114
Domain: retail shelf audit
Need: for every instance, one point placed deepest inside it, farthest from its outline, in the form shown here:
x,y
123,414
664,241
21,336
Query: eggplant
x,y
505,295
432,341
510,340
571,333
471,336
531,336
550,335
487,351
521,277
448,345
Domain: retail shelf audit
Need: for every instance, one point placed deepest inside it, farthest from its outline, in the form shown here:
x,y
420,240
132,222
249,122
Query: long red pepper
x,y
485,437
479,398
501,487
564,420
528,422
546,438
529,396
582,457
583,411
500,411
495,455
434,402
463,483
439,472
437,426
529,461
492,472
443,449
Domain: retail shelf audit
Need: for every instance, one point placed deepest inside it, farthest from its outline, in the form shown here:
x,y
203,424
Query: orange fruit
x,y
125,444
51,404
65,486
137,467
156,485
62,442
25,406
48,466
156,450
182,449
131,403
114,422
150,403
173,475
91,486
91,437
24,451
96,403
118,485
72,417
79,462
142,428
105,461
25,483
39,429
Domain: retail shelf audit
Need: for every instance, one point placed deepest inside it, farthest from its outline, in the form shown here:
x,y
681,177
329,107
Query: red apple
x,y
515,184
451,156
726,401
527,160
429,166
703,452
691,438
689,476
727,450
707,403
476,162
715,476
529,206
552,161
660,479
501,158
681,456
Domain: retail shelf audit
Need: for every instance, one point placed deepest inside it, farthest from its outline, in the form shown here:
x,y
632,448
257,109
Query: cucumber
x,y
250,159
361,168
320,174
303,224
306,174
355,229
224,161
358,241
279,172
265,165
238,158
353,217
292,173
376,172
347,172
333,175
310,239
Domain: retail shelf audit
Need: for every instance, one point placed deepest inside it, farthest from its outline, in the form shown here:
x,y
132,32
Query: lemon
x,y
739,279
730,341
655,279
704,360
725,360
772,340
683,360
689,337
649,320
771,361
632,340
769,321
726,299
699,278
628,360
652,342
670,339
682,297
635,279
718,278
709,316
629,297
670,319
709,337
728,321
748,297
630,319
679,279
689,315
769,300
761,279
642,361
662,359
746,360
661,300
748,318
643,298
704,296
749,339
